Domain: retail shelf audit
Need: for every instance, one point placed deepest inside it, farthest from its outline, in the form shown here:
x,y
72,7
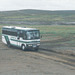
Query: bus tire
x,y
8,44
36,49
23,47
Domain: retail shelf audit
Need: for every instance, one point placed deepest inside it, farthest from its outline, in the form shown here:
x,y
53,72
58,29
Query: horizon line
x,y
34,9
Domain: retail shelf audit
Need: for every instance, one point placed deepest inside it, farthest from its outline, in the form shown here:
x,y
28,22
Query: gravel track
x,y
14,61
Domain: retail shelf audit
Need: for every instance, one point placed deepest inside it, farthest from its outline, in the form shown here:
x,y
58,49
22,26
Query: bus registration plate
x,y
34,45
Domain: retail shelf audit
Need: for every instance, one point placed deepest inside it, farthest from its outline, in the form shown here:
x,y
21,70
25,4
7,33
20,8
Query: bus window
x,y
24,35
18,35
34,34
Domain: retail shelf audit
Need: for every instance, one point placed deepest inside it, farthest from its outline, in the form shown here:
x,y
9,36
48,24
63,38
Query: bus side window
x,y
21,33
24,36
18,35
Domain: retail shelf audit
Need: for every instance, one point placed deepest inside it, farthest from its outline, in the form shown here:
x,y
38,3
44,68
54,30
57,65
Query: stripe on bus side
x,y
7,39
25,41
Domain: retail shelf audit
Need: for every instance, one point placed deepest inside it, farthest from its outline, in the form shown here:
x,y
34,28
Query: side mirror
x,y
18,37
41,36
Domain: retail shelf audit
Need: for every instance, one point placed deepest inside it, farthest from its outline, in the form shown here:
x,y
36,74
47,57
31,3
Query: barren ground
x,y
14,61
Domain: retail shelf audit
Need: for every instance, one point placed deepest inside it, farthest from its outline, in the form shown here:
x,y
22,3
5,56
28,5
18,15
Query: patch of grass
x,y
37,17
0,30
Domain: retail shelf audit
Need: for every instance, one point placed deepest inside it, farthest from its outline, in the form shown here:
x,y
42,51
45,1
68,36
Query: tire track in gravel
x,y
66,59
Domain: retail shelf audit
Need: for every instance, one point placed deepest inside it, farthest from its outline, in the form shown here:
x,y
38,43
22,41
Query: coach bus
x,y
22,37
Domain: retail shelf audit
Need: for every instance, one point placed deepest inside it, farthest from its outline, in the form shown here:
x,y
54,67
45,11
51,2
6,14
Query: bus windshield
x,y
33,34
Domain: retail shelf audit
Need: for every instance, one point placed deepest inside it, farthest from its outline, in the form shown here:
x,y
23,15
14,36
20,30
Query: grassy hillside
x,y
37,17
54,36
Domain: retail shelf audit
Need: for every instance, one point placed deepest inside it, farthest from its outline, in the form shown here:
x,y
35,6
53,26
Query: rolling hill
x,y
38,17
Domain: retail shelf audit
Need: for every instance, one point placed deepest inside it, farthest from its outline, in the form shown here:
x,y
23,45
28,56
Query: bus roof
x,y
19,28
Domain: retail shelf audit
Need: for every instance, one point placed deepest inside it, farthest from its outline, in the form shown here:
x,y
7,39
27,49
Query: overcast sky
x,y
6,5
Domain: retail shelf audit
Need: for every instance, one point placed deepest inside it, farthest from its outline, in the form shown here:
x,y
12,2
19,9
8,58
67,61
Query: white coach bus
x,y
24,38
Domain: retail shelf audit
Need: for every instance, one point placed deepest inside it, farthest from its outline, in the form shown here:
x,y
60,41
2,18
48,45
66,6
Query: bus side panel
x,y
3,39
13,40
21,42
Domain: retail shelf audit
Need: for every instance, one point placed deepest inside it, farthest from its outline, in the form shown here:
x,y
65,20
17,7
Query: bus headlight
x,y
38,44
29,45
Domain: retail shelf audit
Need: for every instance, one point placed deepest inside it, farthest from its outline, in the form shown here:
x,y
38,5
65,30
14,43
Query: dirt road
x,y
16,62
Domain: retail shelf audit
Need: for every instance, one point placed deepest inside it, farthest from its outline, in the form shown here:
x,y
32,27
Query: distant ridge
x,y
38,17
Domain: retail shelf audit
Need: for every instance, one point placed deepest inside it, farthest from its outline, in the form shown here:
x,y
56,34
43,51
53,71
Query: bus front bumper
x,y
32,45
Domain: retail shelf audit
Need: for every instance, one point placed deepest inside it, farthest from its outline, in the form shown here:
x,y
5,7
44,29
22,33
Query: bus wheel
x,y
9,45
36,49
23,47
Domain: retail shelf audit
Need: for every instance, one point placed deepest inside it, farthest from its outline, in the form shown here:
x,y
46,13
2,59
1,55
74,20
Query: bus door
x,y
18,38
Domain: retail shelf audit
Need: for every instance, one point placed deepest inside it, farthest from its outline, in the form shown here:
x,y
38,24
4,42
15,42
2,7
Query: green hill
x,y
38,17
